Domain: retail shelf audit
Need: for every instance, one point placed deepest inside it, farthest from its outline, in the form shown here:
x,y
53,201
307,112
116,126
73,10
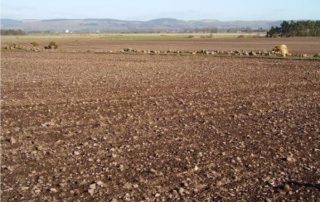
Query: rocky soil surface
x,y
297,45
103,127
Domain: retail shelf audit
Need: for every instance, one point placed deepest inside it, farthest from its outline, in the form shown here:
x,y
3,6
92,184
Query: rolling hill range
x,y
112,25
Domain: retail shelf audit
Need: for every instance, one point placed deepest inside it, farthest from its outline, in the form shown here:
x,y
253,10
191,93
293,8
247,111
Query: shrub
x,y
52,45
34,44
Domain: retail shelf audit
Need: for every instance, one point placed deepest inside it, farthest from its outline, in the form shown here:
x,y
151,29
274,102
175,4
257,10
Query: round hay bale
x,y
281,49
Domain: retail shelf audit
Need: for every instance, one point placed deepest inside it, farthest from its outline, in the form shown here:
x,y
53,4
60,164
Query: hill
x,y
113,25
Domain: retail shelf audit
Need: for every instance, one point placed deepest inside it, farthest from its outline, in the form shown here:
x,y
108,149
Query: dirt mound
x,y
281,49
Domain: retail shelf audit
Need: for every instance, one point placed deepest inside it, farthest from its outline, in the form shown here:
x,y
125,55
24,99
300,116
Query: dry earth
x,y
99,127
296,45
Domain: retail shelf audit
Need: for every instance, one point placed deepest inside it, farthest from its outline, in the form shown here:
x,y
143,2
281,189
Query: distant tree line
x,y
296,28
221,30
12,32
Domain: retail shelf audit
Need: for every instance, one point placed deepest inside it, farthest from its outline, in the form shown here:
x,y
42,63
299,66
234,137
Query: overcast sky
x,y
150,9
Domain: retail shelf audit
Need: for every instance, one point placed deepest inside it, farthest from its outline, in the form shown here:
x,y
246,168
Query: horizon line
x,y
169,18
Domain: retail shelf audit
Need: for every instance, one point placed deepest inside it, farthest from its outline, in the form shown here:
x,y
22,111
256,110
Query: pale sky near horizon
x,y
151,9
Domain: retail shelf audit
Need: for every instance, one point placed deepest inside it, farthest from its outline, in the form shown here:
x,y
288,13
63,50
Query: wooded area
x,y
296,28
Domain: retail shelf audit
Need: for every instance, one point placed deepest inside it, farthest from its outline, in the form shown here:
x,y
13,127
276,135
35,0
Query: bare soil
x,y
103,127
301,45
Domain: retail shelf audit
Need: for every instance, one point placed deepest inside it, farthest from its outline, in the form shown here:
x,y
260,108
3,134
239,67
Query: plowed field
x,y
112,127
